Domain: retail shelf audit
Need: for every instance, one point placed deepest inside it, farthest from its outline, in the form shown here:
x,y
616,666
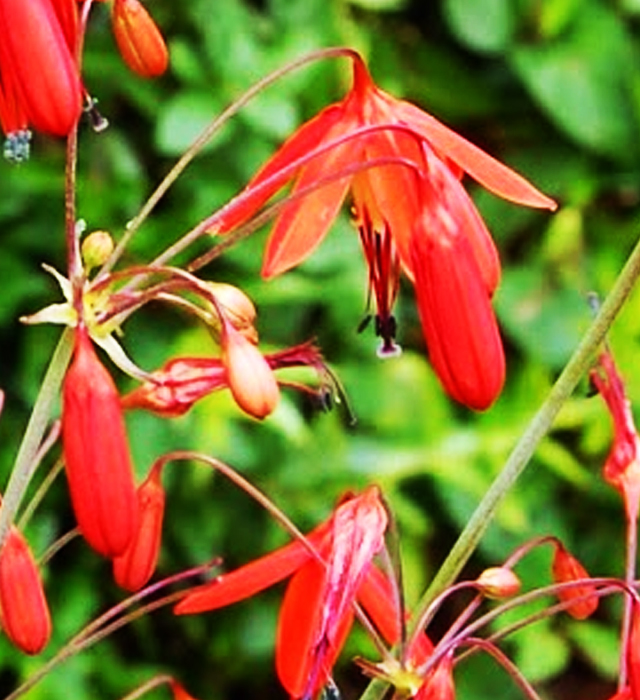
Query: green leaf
x,y
536,666
599,643
483,25
583,82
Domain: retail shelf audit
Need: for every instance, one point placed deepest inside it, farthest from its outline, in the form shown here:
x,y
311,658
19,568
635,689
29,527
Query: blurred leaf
x,y
486,26
536,666
379,5
582,81
599,643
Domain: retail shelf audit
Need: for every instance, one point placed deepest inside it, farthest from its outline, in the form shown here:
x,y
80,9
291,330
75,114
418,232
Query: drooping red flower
x,y
39,81
622,468
139,40
24,612
403,214
96,453
133,569
317,610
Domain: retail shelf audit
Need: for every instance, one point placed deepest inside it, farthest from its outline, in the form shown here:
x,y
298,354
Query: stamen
x,y
17,146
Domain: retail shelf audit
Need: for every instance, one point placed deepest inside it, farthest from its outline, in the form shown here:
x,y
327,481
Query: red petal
x,y
457,319
376,595
37,53
96,453
488,171
251,578
267,181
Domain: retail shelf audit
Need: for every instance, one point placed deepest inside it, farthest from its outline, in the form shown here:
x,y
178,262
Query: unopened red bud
x,y
250,378
96,249
96,453
24,612
133,569
566,568
139,40
498,582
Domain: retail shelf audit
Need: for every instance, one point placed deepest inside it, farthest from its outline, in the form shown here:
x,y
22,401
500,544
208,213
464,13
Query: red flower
x,y
622,468
135,567
317,610
24,613
39,80
414,219
96,453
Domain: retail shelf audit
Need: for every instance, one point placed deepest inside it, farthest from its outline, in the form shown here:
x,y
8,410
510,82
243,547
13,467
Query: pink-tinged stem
x,y
629,577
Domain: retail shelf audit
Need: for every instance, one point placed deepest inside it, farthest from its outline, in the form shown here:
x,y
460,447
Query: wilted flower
x,y
96,453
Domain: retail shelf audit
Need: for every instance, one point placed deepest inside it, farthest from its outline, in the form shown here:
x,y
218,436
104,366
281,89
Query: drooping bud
x,y
96,453
139,40
458,322
250,378
566,568
96,249
498,582
24,612
238,308
135,567
35,54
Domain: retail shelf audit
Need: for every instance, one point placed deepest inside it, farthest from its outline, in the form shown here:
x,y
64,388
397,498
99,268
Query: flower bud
x,y
135,567
96,453
96,249
498,582
24,612
238,308
250,378
139,40
565,568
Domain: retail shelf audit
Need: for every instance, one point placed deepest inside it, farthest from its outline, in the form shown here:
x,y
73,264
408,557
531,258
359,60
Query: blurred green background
x,y
551,87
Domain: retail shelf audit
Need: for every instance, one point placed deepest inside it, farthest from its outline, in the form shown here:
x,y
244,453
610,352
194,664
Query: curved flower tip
x,y
133,569
40,77
139,40
24,612
96,453
457,319
566,568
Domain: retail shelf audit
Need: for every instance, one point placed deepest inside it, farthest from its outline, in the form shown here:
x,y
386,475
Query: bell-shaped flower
x,y
24,613
327,577
391,202
133,569
39,81
139,40
96,453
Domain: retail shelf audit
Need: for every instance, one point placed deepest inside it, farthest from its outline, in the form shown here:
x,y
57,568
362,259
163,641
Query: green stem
x,y
580,362
26,460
